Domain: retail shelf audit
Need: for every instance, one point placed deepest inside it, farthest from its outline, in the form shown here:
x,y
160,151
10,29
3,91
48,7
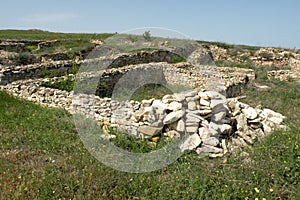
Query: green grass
x,y
46,35
230,46
71,43
61,85
42,157
150,91
71,47
226,63
250,65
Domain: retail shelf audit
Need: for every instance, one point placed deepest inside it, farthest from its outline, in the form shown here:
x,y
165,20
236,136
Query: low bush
x,y
23,59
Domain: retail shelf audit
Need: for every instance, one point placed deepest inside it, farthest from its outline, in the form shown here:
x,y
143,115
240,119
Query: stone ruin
x,y
215,122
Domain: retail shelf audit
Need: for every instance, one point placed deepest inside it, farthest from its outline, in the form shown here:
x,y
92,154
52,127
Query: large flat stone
x,y
174,106
250,113
159,107
180,126
208,149
211,141
149,130
173,117
191,142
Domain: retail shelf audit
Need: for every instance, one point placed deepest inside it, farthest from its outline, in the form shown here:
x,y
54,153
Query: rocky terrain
x,y
212,122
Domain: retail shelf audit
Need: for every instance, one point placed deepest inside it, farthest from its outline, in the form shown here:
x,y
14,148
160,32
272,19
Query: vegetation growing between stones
x,y
71,47
72,44
132,144
23,59
31,47
150,91
56,164
230,46
248,65
42,156
67,84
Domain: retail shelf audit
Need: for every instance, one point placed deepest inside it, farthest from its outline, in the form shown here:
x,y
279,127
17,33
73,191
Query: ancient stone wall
x,y
213,123
14,73
20,45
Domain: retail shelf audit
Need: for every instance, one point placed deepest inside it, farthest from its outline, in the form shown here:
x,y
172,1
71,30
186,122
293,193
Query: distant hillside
x,y
46,35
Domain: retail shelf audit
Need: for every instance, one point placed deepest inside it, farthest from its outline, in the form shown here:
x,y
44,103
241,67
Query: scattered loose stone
x,y
242,123
172,134
192,105
107,136
209,149
250,113
155,139
191,142
192,129
179,97
191,94
219,116
204,102
272,116
149,130
206,116
173,116
180,126
147,103
224,146
205,112
226,129
159,107
174,106
216,155
212,141
204,132
168,99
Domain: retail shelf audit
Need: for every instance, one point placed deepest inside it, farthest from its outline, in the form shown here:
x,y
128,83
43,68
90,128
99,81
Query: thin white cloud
x,y
48,17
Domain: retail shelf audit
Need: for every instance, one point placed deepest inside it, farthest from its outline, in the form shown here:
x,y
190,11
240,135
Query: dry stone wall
x,y
20,45
14,73
184,72
212,122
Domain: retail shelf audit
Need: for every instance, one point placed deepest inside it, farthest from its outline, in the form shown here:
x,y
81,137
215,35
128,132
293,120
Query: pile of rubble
x,y
214,125
209,121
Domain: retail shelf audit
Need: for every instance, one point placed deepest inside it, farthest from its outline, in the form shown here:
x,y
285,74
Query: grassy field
x,y
72,44
42,157
45,35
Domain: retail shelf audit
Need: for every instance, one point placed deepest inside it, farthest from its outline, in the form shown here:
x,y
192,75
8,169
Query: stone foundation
x,y
212,119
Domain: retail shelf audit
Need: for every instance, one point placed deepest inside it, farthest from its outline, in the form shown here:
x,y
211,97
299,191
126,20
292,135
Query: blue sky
x,y
265,22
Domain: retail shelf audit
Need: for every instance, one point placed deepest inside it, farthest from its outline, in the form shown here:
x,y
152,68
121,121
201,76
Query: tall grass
x,y
42,157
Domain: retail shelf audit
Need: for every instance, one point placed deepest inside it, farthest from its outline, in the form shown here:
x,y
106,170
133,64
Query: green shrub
x,y
226,63
232,52
61,85
244,58
266,55
133,38
23,59
288,55
178,59
147,35
31,47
